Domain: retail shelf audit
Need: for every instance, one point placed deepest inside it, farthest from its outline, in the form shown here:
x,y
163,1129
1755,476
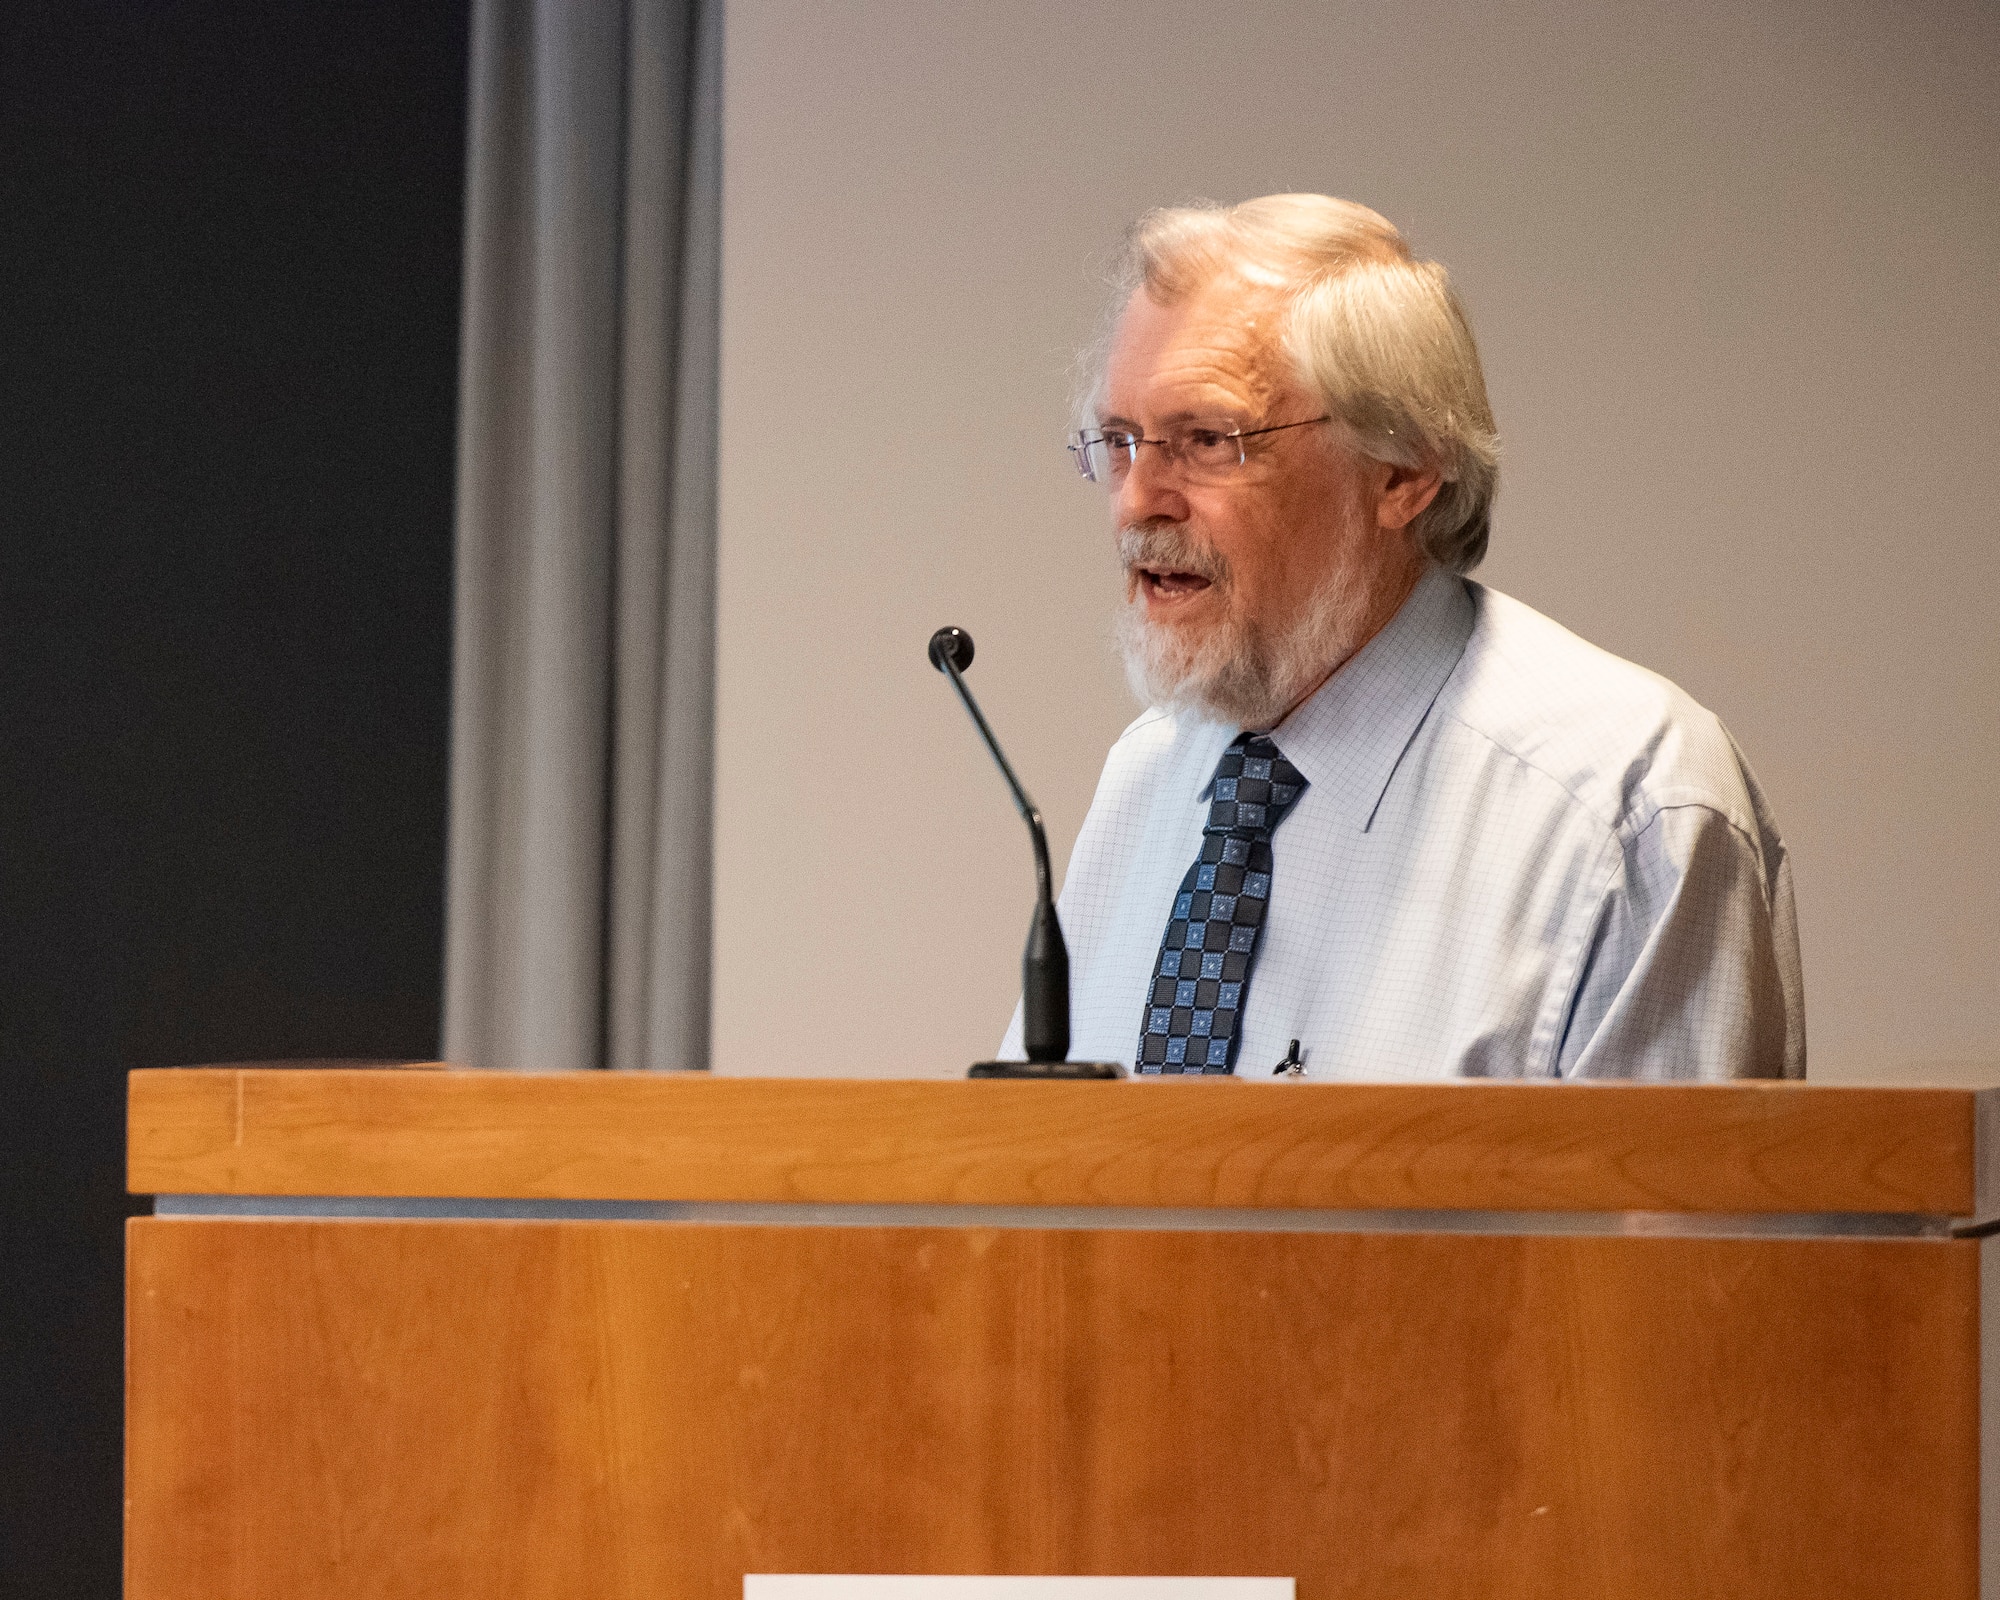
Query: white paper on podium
x,y
834,1586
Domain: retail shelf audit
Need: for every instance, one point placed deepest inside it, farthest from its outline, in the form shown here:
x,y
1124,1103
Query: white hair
x,y
1375,332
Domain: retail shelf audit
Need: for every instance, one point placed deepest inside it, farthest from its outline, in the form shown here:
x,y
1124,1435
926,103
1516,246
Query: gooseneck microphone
x,y
1045,963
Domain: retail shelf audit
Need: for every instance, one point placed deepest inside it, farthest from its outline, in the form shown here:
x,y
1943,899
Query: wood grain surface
x,y
1758,1147
440,1409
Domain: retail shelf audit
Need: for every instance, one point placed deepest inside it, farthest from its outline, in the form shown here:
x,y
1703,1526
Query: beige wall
x,y
1734,269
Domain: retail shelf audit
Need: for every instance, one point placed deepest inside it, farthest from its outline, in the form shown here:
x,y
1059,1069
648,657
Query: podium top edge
x,y
1488,1146
1968,1079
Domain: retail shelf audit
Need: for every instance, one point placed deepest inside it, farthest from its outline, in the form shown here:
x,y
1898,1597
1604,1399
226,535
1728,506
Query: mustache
x,y
1171,546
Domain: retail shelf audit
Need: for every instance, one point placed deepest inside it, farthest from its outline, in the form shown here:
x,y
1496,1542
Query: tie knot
x,y
1254,787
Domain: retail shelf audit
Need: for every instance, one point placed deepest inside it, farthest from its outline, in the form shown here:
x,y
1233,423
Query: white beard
x,y
1242,671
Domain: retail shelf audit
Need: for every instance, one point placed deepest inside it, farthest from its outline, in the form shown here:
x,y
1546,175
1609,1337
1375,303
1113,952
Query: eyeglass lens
x,y
1197,452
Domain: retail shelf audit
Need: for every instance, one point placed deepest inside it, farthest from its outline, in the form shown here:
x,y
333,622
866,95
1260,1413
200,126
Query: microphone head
x,y
953,642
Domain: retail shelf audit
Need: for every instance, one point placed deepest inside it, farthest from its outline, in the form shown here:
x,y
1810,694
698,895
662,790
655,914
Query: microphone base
x,y
1047,1069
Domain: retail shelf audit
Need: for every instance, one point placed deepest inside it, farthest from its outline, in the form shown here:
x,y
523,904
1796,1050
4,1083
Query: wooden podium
x,y
439,1333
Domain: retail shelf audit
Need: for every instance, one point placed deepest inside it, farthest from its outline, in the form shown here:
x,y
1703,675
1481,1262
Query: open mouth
x,y
1170,583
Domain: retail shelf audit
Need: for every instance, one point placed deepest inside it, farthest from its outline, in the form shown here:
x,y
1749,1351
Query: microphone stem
x,y
1044,884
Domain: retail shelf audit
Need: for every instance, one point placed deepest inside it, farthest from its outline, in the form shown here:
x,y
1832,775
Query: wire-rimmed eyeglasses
x,y
1203,454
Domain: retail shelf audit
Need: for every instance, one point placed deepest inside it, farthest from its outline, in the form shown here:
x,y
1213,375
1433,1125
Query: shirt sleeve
x,y
1692,969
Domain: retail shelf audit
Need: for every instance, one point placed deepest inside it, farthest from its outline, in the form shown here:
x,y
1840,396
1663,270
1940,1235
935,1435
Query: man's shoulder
x,y
1154,745
1160,758
1152,728
1622,740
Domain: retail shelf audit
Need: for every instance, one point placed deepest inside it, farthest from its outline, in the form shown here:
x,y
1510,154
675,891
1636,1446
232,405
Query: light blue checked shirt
x,y
1519,857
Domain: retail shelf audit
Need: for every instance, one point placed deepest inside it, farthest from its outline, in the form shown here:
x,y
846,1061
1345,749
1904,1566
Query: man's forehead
x,y
1221,335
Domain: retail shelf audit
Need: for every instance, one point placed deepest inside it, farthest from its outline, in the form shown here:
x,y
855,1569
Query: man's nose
x,y
1151,490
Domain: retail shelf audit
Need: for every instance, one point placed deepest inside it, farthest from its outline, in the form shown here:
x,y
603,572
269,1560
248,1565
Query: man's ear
x,y
1405,494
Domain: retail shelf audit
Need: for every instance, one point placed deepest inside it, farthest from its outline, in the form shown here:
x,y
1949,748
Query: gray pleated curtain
x,y
577,916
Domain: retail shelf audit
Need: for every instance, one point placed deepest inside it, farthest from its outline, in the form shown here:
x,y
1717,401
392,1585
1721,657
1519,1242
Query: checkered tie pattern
x,y
1203,975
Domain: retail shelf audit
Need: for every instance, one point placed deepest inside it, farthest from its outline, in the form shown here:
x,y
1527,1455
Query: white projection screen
x,y
1733,272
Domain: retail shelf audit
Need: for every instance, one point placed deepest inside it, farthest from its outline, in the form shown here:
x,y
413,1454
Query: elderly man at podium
x,y
1380,820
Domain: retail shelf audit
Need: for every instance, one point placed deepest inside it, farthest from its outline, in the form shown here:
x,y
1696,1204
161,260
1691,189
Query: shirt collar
x,y
1349,736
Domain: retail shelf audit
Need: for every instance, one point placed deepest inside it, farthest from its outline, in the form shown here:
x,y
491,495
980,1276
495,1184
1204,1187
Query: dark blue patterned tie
x,y
1195,1009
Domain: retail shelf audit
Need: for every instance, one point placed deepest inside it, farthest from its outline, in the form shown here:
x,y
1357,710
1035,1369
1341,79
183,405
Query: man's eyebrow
x,y
1186,414
1227,415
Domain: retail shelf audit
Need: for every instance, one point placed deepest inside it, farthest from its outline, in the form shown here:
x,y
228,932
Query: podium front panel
x,y
326,1407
